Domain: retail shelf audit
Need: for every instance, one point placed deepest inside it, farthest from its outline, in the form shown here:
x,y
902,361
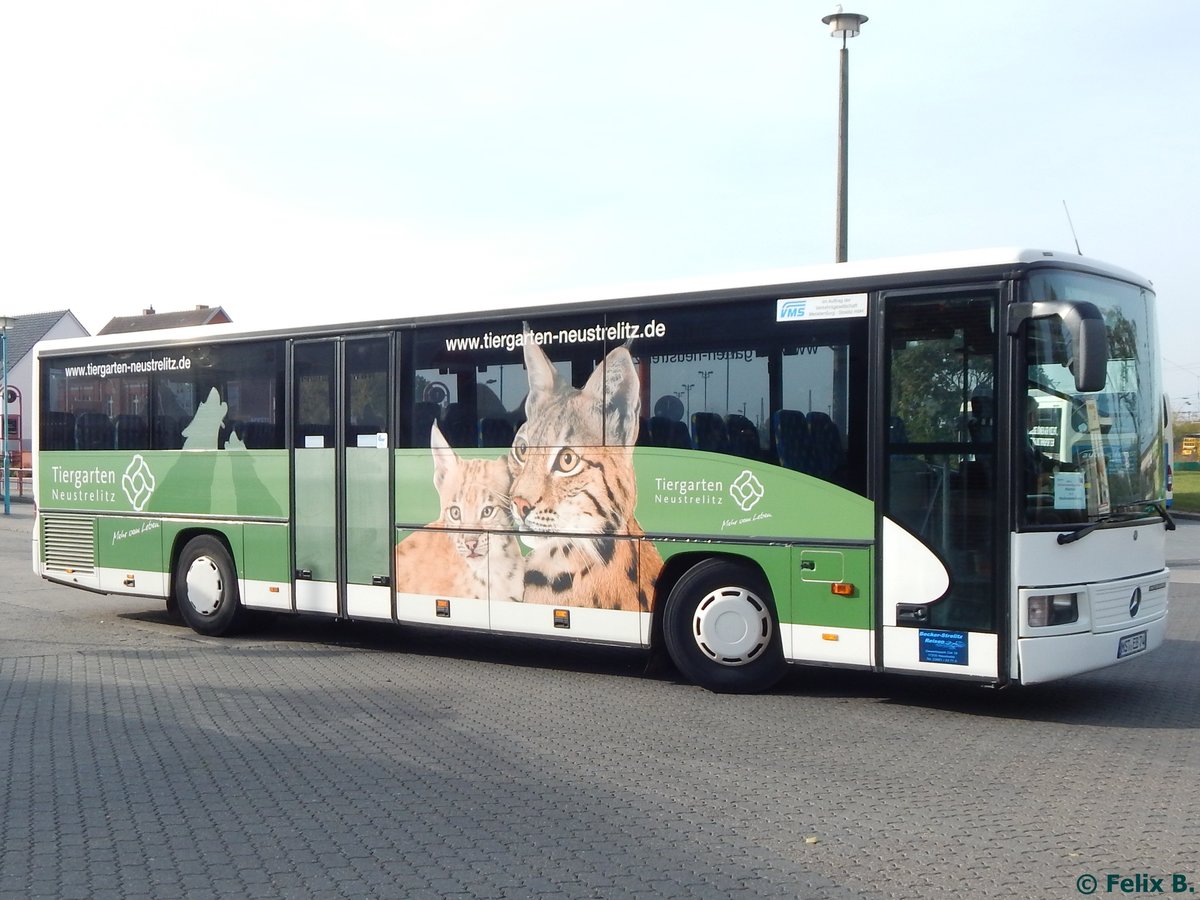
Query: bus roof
x,y
860,275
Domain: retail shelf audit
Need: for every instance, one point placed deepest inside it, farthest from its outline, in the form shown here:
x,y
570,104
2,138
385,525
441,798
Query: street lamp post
x,y
705,375
5,323
844,25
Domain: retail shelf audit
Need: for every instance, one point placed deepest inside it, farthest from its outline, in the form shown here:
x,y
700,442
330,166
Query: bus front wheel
x,y
720,628
206,588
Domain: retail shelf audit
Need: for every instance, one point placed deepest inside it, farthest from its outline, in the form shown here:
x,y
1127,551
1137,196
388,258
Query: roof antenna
x,y
1072,224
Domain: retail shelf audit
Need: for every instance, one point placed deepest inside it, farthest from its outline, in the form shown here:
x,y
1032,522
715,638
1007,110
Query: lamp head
x,y
843,24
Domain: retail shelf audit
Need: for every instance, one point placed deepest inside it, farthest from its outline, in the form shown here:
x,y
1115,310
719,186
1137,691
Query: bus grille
x,y
69,543
1114,607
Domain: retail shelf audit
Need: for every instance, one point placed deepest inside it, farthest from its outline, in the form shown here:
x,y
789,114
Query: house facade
x,y
21,337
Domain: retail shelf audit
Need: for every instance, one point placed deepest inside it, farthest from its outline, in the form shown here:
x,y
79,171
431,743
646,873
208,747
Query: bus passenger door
x,y
939,532
341,396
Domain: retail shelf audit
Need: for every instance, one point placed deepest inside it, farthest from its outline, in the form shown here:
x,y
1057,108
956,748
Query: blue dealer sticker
x,y
948,647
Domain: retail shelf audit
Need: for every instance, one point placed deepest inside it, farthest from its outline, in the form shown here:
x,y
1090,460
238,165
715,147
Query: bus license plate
x,y
1131,644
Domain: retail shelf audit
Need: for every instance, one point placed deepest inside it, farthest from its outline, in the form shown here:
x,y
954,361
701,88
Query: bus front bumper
x,y
1057,656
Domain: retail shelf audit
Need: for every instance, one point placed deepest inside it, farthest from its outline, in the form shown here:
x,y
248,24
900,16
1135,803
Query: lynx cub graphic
x,y
472,557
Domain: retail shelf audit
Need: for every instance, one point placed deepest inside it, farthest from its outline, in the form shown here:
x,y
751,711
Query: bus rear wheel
x,y
720,628
206,588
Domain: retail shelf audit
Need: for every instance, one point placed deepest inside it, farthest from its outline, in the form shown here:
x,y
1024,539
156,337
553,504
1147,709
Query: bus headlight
x,y
1053,609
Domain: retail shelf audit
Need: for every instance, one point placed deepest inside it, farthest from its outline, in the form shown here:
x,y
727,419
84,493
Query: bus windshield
x,y
1087,456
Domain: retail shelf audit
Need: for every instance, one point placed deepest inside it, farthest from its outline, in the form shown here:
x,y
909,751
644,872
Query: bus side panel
x,y
129,490
832,618
129,555
434,583
817,624
822,589
134,557
266,567
232,483
818,536
714,494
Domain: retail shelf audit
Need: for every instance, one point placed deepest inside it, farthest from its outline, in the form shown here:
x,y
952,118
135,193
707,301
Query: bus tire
x,y
721,630
206,587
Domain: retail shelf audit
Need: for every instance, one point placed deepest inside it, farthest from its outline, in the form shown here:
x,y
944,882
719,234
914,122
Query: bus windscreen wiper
x,y
1168,522
1125,512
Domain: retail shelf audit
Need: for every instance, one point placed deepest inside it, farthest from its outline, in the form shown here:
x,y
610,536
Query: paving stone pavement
x,y
311,760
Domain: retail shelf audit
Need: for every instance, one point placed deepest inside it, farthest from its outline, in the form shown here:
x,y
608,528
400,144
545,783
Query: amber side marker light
x,y
442,608
842,590
562,618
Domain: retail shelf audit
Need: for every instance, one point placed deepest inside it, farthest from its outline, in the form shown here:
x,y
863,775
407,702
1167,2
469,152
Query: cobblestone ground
x,y
304,759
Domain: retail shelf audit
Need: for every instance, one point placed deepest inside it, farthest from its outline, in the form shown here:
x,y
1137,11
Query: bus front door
x,y
942,581
341,397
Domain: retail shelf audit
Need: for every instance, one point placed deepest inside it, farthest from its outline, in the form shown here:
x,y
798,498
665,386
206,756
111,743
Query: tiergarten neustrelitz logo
x,y
138,482
746,490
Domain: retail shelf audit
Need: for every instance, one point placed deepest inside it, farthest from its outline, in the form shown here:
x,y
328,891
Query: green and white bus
x,y
828,466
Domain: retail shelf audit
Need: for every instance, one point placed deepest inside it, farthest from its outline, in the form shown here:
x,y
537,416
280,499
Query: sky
x,y
312,160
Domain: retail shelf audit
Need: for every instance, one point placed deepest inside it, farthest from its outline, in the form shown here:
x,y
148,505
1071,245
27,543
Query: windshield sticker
x,y
1069,491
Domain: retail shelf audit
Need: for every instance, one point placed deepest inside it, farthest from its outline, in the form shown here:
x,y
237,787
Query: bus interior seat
x,y
825,443
665,432
93,431
708,432
743,437
131,432
790,429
